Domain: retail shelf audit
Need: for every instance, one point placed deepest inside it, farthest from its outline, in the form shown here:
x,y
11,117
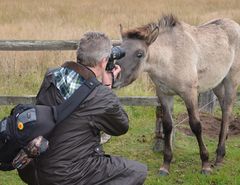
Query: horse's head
x,y
135,42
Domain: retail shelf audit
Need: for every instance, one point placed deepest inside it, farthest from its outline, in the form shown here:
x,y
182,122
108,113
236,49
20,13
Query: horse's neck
x,y
158,63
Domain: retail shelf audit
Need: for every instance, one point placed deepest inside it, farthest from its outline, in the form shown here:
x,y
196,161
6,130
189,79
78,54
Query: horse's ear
x,y
121,30
152,36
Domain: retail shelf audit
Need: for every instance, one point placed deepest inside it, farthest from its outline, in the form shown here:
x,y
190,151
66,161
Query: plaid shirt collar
x,y
67,81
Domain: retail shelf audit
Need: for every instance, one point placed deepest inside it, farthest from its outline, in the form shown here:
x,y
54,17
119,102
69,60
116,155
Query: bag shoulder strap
x,y
85,72
63,110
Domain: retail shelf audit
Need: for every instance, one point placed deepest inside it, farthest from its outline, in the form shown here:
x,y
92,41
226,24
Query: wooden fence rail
x,y
41,45
126,100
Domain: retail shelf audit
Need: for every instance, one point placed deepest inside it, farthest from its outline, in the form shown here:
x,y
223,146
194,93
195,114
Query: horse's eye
x,y
139,54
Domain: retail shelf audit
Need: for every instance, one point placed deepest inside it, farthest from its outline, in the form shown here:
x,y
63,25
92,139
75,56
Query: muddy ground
x,y
210,124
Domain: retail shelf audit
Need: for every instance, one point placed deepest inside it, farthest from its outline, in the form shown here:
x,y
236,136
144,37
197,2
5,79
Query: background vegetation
x,y
22,72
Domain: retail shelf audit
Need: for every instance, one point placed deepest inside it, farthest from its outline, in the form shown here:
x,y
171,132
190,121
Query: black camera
x,y
116,53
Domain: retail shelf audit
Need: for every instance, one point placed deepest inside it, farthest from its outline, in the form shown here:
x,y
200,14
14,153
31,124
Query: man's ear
x,y
102,62
152,36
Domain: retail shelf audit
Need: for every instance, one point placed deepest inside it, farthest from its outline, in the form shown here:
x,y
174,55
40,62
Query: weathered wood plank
x,y
132,100
139,100
14,100
126,100
41,45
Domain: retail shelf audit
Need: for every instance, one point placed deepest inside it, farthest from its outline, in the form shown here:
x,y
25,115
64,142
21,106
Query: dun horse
x,y
185,60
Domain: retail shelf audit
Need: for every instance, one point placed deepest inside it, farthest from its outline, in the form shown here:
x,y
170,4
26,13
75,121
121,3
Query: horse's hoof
x,y
206,171
218,165
163,172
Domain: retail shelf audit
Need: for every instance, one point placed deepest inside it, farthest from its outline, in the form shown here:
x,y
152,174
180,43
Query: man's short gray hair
x,y
93,47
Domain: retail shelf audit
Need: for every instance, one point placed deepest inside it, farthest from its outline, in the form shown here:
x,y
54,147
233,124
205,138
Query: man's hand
x,y
116,70
109,77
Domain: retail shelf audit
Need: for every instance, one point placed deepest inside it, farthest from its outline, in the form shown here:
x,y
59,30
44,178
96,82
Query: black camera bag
x,y
27,122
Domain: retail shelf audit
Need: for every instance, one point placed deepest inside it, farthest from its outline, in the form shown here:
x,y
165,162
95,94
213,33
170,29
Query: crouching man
x,y
75,156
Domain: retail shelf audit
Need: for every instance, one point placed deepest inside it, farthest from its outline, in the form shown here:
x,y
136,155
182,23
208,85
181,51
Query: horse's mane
x,y
167,21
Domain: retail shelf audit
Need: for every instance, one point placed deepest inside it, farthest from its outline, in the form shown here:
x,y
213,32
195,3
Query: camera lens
x,y
117,53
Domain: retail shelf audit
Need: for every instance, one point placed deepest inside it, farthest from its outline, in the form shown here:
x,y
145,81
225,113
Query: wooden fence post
x,y
207,101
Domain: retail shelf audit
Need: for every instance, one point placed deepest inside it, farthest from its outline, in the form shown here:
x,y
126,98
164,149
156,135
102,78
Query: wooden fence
x,y
53,45
126,100
41,45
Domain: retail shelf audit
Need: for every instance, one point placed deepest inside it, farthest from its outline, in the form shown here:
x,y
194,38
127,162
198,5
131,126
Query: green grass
x,y
10,178
137,145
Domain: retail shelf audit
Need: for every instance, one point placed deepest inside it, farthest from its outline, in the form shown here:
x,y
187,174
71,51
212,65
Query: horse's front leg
x,y
167,122
190,98
159,135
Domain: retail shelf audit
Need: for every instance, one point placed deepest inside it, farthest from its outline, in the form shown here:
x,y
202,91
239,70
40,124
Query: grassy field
x,y
21,72
137,145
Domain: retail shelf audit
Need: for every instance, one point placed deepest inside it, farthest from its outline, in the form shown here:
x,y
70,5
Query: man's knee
x,y
139,172
143,174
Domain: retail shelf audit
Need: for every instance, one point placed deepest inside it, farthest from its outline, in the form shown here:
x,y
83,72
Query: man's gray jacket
x,y
75,156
